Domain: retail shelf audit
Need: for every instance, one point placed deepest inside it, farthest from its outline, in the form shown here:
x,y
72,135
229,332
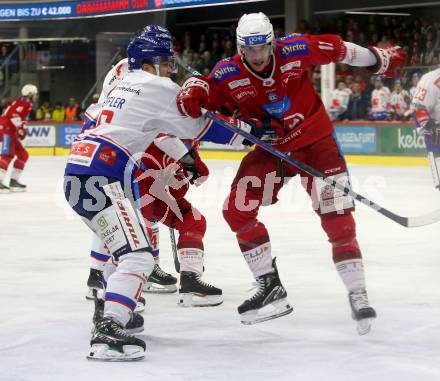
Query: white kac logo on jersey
x,y
289,66
239,83
325,45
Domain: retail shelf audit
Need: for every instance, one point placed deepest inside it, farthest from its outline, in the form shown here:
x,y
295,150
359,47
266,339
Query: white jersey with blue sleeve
x,y
134,113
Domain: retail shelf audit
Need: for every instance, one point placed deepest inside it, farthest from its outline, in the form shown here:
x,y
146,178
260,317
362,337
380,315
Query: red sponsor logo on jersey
x,y
242,94
108,155
83,149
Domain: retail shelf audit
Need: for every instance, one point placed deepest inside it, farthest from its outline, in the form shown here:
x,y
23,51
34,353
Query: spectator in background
x,y
59,112
358,103
4,103
427,57
44,112
228,47
361,82
399,102
380,101
73,111
339,102
415,56
3,55
215,49
316,79
349,79
207,61
414,81
302,27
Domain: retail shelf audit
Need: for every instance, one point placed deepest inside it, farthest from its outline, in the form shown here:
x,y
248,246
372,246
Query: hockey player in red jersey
x,y
12,131
172,165
269,77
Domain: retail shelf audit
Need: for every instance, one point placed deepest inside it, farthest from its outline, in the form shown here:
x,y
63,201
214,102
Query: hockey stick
x,y
174,249
409,222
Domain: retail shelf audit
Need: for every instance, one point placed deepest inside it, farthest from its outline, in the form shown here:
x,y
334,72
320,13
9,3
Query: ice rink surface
x,y
45,321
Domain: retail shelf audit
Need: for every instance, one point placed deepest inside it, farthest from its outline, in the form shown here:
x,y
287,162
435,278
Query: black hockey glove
x,y
431,132
263,129
195,168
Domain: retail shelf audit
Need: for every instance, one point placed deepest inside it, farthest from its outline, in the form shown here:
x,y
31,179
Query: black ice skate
x,y
193,292
361,311
15,186
269,302
160,282
94,283
4,188
110,342
134,325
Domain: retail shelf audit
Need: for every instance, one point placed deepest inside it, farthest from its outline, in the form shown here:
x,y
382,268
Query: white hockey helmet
x,y
29,90
254,29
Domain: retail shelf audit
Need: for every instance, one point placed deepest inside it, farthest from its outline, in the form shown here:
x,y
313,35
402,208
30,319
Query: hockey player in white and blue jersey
x,y
100,184
159,280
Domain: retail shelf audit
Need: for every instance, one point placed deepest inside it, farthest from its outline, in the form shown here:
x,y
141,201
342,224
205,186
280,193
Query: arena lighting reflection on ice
x,y
95,8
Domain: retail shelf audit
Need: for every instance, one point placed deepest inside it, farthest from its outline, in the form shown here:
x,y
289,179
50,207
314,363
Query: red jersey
x,y
14,115
287,94
20,107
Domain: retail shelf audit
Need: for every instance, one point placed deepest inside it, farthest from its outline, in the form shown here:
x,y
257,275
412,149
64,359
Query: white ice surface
x,y
45,320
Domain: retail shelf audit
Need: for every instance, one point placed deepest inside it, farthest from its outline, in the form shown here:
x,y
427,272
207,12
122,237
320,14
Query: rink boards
x,y
363,142
412,161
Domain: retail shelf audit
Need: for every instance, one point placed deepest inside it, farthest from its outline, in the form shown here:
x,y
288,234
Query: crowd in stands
x,y
58,112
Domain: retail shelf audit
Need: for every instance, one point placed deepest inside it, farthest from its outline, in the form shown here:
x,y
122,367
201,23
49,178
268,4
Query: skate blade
x,y
102,352
364,326
17,190
197,300
273,310
4,191
155,288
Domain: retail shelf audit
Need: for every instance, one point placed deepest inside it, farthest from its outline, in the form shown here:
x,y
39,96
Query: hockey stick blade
x,y
409,222
174,250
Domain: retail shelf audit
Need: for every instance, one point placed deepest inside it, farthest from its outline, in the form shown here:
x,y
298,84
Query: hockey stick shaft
x,y
174,250
404,221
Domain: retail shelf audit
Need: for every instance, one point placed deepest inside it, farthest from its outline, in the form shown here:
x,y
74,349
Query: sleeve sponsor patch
x,y
294,49
290,65
83,152
225,71
239,83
